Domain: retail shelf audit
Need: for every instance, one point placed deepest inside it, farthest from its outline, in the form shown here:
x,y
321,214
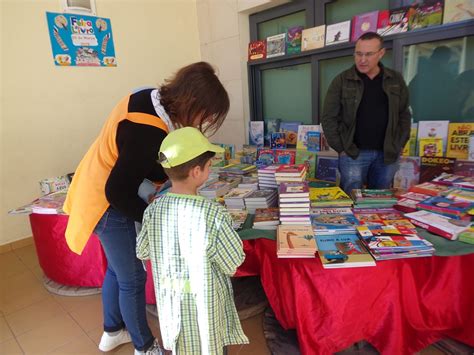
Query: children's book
x,y
333,220
266,217
257,50
302,135
309,159
295,241
54,184
278,140
293,39
256,133
313,38
431,167
276,45
458,10
429,188
426,15
463,168
267,156
340,251
327,168
313,141
458,140
293,189
447,207
466,182
433,129
430,147
291,132
397,21
338,33
438,224
290,170
285,156
272,125
363,23
408,173
410,147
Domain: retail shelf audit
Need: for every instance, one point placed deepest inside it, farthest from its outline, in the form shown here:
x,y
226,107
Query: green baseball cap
x,y
185,144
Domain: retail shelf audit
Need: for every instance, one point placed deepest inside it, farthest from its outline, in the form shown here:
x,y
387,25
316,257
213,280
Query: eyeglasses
x,y
367,54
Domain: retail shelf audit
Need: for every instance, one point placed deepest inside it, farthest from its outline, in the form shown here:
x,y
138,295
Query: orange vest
x,y
86,202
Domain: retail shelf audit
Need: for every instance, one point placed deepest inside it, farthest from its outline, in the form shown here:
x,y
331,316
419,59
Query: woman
x,y
103,195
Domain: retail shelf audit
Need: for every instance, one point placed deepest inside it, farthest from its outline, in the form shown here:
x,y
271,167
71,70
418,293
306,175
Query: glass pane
x,y
281,24
330,68
440,77
286,93
342,10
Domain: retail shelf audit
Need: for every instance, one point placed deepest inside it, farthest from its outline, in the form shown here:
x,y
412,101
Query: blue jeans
x,y
123,290
367,169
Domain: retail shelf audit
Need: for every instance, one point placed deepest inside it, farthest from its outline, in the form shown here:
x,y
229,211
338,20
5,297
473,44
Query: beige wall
x,y
50,115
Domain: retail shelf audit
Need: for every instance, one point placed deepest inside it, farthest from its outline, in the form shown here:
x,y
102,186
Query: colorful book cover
x,y
430,147
410,146
302,135
309,159
338,33
426,15
290,170
446,206
278,140
429,188
266,156
458,140
285,156
461,167
266,216
327,168
293,39
333,220
291,132
458,10
431,167
397,21
313,141
345,250
408,173
433,129
276,45
293,189
438,224
256,133
364,23
327,194
272,125
296,237
313,38
257,50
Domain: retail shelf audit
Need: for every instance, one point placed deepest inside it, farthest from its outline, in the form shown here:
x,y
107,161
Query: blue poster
x,y
81,40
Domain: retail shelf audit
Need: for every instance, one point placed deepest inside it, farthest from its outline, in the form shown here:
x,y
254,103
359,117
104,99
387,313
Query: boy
x,y
193,251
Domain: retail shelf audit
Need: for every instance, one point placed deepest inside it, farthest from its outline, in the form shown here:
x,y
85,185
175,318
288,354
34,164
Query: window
x,y
281,24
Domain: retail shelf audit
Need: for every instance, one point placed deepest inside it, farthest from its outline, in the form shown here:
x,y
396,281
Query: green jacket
x,y
340,109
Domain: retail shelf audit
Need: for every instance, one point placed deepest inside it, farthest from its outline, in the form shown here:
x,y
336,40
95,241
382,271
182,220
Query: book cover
x,y
293,39
257,50
291,132
285,156
290,170
363,23
433,129
278,140
431,167
458,10
383,22
303,130
429,188
345,250
272,125
438,224
266,216
327,194
296,237
338,33
313,141
313,38
333,220
293,189
458,140
408,173
410,147
461,167
446,206
430,147
397,21
266,156
276,45
309,159
327,168
426,15
256,133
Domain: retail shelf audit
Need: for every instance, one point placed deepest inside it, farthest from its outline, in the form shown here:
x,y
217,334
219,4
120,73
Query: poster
x,y
81,40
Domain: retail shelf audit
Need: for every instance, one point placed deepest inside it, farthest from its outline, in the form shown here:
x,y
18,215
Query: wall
x,y
50,115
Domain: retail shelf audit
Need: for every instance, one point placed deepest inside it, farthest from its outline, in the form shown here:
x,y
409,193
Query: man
x,y
366,118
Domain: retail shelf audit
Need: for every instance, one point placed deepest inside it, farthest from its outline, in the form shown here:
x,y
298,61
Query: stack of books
x,y
454,180
234,200
214,189
290,173
266,218
238,218
294,203
382,217
371,198
260,199
447,207
389,242
438,224
408,201
249,182
295,241
343,250
429,188
333,221
460,195
48,204
329,197
266,177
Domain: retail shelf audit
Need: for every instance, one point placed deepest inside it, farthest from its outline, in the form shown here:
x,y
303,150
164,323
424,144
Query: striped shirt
x,y
193,250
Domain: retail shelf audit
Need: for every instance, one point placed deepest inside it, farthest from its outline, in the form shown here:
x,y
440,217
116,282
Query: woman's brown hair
x,y
194,93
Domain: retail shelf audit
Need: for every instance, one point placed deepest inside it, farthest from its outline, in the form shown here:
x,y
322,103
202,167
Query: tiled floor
x,y
33,321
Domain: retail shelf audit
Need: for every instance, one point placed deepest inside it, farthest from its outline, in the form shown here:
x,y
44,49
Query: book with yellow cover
x,y
410,147
458,140
431,147
313,38
328,196
295,241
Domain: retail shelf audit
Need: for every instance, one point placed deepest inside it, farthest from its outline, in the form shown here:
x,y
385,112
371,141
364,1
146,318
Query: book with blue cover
x,y
272,125
333,220
313,141
291,132
342,250
278,140
327,168
256,133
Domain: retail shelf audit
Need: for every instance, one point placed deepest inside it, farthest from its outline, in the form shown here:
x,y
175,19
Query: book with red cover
x,y
257,50
397,21
428,188
438,224
285,156
364,23
464,168
447,207
291,170
431,167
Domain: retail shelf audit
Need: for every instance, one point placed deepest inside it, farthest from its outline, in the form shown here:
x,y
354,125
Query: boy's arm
x,y
226,249
143,246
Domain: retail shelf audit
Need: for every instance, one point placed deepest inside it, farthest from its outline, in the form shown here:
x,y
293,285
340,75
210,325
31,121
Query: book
x,y
430,147
238,169
467,236
303,130
287,170
397,21
293,189
276,45
470,154
345,250
338,33
464,168
51,203
266,155
309,159
291,132
438,224
431,167
313,38
293,39
428,188
363,23
329,196
327,168
458,10
426,15
333,220
295,241
257,50
256,133
408,173
447,207
272,125
410,147
54,184
458,140
238,218
465,182
278,140
284,156
433,129
313,141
